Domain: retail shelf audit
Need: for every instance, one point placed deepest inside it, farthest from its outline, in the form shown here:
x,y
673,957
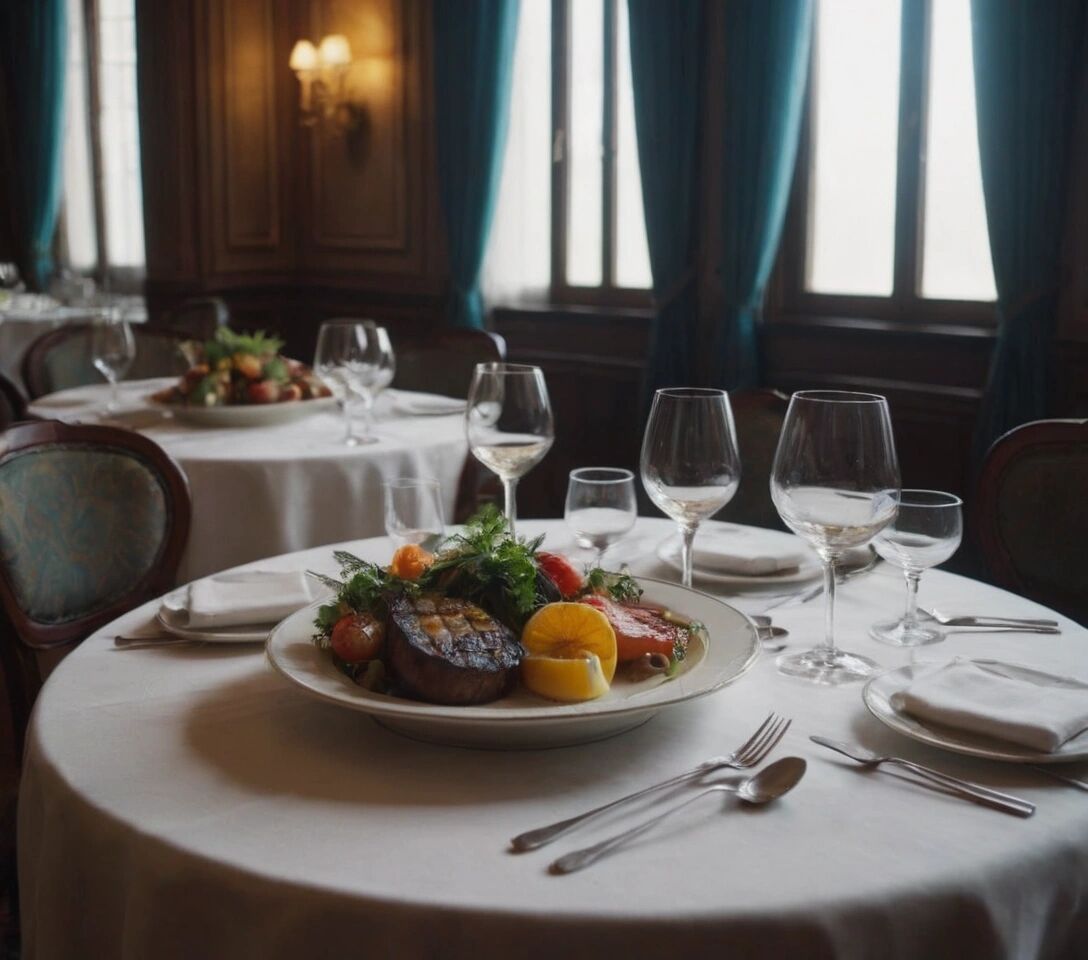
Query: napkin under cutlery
x,y
250,597
1012,703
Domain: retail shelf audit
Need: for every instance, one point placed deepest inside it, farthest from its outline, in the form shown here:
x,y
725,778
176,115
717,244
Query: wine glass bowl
x,y
113,348
348,358
927,530
508,423
600,507
835,483
690,466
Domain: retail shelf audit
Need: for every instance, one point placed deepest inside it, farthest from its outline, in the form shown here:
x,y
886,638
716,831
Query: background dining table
x,y
185,800
259,491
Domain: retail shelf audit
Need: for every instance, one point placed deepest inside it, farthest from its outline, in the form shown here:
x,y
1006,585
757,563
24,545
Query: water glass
x,y
348,359
413,511
690,466
834,482
601,506
926,532
113,348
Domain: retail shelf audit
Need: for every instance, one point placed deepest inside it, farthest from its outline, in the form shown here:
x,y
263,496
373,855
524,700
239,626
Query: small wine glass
x,y
508,423
386,359
835,482
346,356
413,510
926,532
690,466
113,348
600,507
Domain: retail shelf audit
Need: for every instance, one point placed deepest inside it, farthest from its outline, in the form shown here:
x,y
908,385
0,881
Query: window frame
x,y
560,291
905,307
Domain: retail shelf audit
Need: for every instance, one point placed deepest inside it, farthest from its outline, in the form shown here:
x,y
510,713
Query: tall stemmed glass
x,y
113,348
508,423
690,465
925,533
385,358
835,482
347,360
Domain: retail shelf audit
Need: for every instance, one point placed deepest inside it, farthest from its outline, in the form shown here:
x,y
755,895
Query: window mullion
x,y
914,56
608,151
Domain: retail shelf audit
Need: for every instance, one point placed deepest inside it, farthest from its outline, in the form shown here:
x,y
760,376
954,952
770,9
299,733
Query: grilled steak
x,y
444,650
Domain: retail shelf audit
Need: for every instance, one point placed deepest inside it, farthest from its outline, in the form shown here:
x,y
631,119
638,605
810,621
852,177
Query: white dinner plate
x,y
668,551
523,720
245,415
878,693
173,617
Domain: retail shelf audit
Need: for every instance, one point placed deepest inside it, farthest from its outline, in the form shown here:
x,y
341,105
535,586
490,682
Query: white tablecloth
x,y
263,491
184,802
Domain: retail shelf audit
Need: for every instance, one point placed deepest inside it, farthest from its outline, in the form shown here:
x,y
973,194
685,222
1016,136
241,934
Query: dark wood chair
x,y
198,318
93,522
12,403
1030,515
758,415
443,361
62,358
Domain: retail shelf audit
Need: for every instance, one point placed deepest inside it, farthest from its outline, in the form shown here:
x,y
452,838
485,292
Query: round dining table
x,y
259,491
187,801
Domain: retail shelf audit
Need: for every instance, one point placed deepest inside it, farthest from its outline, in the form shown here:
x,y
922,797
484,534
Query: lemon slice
x,y
572,652
564,678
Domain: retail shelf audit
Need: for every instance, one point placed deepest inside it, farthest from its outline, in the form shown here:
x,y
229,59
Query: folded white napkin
x,y
1013,703
734,554
426,403
252,597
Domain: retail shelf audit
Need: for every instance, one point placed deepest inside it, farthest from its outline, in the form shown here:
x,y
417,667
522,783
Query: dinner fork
x,y
963,621
748,754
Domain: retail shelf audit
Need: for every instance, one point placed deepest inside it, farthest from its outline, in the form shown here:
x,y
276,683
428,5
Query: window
x,y
888,219
103,225
569,221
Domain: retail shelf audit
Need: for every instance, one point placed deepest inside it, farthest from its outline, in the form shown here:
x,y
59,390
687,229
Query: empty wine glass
x,y
835,482
690,466
413,510
347,359
600,507
925,533
385,358
113,348
508,423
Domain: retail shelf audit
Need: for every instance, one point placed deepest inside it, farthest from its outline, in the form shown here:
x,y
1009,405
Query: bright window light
x,y
79,232
586,138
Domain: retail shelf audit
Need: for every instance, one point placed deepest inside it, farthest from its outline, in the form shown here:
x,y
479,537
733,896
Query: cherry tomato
x,y
561,572
358,636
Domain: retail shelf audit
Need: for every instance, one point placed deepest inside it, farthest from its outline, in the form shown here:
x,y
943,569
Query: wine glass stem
x,y
368,421
349,430
510,487
114,401
910,617
687,541
828,645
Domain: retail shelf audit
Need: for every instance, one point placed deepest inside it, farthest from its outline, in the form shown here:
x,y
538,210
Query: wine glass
x,y
347,358
113,348
690,466
508,423
600,507
386,359
926,532
413,510
835,482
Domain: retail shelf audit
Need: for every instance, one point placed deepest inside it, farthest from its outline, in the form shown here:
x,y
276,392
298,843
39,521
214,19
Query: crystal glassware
x,y
347,359
926,532
601,506
835,482
413,510
386,359
113,348
690,466
508,423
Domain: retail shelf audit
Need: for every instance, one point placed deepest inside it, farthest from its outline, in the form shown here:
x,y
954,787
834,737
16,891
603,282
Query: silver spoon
x,y
767,785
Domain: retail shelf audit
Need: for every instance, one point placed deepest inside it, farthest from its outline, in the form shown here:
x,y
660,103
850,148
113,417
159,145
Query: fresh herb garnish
x,y
621,587
363,587
228,342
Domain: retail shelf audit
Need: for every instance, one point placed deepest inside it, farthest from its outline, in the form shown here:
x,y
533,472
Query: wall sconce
x,y
324,97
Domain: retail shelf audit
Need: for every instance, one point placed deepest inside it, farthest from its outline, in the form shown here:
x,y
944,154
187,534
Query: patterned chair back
x,y
1031,513
63,358
93,521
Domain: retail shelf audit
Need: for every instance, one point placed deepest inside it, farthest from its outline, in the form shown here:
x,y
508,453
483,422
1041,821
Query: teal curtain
x,y
666,54
1027,58
33,39
474,52
767,45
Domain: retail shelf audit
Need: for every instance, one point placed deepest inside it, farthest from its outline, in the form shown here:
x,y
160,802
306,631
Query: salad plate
x,y
522,720
878,694
244,415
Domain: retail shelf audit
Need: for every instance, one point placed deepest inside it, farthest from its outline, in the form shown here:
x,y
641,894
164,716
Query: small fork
x,y
748,754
